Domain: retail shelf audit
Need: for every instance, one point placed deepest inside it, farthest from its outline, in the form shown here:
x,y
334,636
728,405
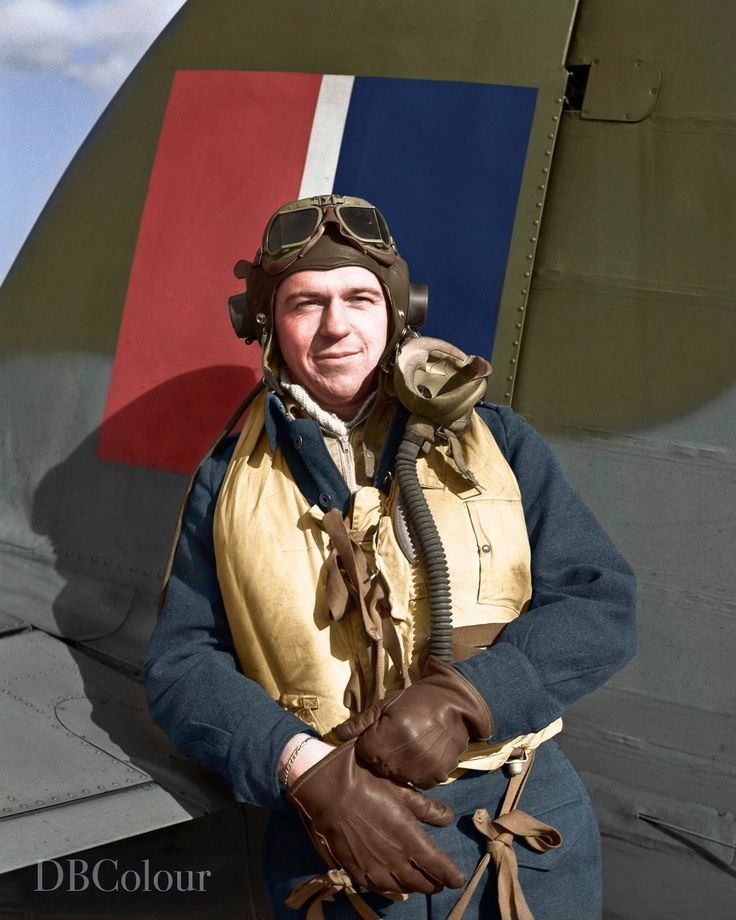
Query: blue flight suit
x,y
577,632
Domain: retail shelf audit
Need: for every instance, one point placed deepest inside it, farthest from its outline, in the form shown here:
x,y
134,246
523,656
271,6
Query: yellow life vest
x,y
272,563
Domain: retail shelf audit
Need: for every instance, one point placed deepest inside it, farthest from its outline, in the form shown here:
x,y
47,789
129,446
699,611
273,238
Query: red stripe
x,y
232,149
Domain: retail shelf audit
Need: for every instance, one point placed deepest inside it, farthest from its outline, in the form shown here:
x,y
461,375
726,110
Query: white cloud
x,y
96,42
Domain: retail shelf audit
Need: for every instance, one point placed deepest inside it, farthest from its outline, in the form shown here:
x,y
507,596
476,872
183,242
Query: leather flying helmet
x,y
322,233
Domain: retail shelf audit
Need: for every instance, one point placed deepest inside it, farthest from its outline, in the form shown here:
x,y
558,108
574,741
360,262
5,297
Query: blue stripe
x,y
443,161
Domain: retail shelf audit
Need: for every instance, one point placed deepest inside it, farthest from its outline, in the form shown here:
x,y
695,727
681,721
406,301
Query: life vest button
x,y
325,499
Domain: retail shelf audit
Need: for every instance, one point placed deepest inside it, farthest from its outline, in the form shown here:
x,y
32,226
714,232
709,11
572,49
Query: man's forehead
x,y
312,281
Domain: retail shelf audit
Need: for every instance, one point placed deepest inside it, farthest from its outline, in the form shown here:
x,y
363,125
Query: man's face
x,y
331,328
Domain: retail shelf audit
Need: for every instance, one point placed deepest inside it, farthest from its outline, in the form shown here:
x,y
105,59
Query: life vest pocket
x,y
504,562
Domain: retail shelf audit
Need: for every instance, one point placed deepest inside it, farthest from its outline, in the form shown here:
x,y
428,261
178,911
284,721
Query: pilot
x,y
385,594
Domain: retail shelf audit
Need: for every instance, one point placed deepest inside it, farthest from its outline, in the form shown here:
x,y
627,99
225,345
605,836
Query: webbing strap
x,y
500,832
457,455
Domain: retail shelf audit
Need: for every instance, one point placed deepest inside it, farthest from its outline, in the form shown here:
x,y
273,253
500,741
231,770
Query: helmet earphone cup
x,y
241,318
416,315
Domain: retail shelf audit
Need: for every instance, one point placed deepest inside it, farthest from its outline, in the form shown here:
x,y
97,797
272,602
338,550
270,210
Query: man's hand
x,y
417,735
369,826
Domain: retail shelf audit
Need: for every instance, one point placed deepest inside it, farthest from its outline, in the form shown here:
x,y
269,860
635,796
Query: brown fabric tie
x,y
500,832
324,888
347,578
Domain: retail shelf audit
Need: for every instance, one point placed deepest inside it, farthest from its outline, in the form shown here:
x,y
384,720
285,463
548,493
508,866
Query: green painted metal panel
x,y
627,366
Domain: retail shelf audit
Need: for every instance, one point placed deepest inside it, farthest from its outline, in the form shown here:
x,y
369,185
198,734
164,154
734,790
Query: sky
x,y
61,62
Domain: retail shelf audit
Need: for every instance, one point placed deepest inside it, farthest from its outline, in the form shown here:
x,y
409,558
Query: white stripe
x,y
326,137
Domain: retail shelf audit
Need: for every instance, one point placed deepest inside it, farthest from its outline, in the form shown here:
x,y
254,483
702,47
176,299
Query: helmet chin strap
x,y
439,384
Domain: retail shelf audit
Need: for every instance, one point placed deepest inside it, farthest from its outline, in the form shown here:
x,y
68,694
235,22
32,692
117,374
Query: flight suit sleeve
x,y
196,690
579,628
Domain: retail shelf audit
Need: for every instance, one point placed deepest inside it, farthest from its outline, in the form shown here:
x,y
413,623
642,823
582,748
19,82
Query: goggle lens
x,y
292,228
365,224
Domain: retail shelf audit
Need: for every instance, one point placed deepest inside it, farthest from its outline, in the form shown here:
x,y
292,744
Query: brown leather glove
x,y
369,826
417,735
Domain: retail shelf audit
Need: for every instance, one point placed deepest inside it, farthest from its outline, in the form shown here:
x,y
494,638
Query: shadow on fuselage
x,y
110,524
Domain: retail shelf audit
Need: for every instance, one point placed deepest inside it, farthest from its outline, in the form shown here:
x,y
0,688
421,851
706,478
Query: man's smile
x,y
334,356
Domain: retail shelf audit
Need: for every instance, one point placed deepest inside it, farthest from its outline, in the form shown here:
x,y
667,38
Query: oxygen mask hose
x,y
430,547
439,384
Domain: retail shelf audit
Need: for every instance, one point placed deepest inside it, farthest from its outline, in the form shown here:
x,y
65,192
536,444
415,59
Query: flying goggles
x,y
297,226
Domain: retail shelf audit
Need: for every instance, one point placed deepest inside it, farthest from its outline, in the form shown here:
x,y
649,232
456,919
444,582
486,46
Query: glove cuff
x,y
476,712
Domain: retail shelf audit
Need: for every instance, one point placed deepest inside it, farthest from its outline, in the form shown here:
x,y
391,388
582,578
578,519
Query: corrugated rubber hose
x,y
430,547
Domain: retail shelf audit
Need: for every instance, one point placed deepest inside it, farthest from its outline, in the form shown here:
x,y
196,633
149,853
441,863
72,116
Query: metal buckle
x,y
515,765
